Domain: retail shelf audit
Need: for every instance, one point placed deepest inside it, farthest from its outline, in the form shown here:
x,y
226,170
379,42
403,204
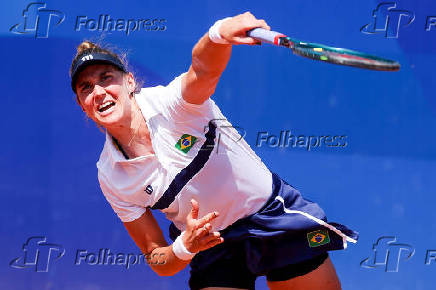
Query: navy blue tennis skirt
x,y
288,229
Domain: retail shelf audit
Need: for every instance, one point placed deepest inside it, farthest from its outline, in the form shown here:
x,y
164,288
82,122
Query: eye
x,y
85,89
106,77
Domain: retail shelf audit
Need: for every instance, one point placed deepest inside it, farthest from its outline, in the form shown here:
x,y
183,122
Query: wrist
x,y
180,250
214,32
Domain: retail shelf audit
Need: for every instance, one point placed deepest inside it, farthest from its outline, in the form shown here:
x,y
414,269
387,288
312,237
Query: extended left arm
x,y
209,59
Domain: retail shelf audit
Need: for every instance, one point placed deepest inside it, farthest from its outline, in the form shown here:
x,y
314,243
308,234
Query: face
x,y
104,92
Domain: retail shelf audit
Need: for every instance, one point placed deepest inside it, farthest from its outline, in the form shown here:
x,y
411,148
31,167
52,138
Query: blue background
x,y
381,184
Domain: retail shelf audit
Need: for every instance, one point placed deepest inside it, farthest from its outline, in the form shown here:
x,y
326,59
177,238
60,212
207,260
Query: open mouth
x,y
106,106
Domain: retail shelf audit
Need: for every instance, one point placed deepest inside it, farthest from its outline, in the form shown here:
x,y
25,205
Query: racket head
x,y
340,56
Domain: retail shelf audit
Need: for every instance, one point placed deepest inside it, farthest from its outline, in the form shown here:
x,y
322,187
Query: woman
x,y
170,148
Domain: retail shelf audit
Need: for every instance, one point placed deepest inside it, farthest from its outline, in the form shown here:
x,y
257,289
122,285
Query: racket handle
x,y
265,35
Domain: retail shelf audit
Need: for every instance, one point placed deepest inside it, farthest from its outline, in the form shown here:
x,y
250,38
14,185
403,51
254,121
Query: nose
x,y
99,90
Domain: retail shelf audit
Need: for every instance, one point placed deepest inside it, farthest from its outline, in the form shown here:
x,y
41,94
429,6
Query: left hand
x,y
197,236
234,30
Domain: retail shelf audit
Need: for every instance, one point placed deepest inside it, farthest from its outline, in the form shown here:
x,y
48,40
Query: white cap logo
x,y
87,57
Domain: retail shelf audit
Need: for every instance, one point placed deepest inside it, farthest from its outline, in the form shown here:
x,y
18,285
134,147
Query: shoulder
x,y
159,99
173,87
169,102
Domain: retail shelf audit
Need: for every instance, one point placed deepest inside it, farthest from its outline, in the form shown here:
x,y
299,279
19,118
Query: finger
x,y
210,237
246,40
263,24
204,241
214,242
194,211
251,24
204,231
206,219
248,13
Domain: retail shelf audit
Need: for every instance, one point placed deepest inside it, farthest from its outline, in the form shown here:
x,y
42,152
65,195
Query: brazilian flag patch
x,y
318,238
186,142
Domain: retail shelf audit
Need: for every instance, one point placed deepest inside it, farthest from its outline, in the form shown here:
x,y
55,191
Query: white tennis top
x,y
228,177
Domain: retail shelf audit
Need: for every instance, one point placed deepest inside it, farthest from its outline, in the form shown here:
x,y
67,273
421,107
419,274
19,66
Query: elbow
x,y
199,85
161,267
160,271
157,262
205,70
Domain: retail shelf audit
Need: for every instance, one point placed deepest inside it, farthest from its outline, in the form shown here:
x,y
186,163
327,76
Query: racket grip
x,y
265,35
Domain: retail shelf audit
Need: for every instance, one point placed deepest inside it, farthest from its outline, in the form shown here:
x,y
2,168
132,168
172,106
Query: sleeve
x,y
169,102
126,211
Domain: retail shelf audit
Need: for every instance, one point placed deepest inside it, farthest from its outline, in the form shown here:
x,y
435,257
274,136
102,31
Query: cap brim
x,y
92,59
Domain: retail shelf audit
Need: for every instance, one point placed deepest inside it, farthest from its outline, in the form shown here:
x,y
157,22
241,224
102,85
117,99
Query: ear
x,y
131,84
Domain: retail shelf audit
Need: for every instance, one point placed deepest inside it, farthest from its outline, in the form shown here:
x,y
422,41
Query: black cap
x,y
89,58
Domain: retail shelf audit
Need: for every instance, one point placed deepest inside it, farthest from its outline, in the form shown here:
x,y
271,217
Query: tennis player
x,y
170,148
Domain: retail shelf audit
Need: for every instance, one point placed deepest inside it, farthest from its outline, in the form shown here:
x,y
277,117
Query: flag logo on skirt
x,y
318,238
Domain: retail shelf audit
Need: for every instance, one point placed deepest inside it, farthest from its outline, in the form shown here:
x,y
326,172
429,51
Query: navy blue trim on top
x,y
187,173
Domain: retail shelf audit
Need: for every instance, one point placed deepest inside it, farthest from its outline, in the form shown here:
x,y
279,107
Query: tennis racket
x,y
325,53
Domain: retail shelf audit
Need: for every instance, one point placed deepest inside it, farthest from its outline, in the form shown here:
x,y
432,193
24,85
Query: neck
x,y
132,134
